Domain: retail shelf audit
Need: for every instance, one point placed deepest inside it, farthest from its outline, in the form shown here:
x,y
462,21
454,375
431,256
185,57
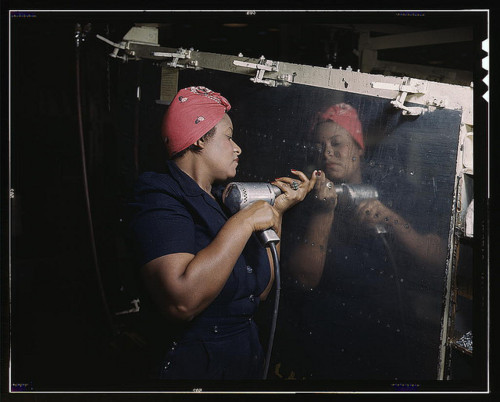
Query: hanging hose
x,y
79,36
274,253
398,290
137,119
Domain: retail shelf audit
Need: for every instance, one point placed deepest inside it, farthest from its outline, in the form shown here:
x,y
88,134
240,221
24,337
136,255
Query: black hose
x,y
277,278
399,292
86,190
137,119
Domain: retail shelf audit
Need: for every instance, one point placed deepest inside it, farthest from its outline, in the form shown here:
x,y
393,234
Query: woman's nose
x,y
237,149
329,151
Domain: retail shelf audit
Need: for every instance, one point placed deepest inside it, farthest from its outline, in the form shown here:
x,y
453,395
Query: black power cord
x,y
80,35
277,278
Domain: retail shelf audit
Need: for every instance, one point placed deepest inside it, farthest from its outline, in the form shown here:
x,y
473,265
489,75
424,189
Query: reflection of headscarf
x,y
345,116
193,112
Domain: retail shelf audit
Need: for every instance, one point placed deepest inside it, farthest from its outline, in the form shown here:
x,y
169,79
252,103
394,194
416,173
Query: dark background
x,y
61,301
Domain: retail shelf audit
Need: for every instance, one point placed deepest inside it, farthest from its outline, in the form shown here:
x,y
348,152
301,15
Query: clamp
x,y
408,86
264,66
180,54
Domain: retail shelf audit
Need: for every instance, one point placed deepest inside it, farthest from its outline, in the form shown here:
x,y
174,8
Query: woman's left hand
x,y
294,190
373,213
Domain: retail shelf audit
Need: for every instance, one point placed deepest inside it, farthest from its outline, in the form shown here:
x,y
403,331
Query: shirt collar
x,y
191,188
188,185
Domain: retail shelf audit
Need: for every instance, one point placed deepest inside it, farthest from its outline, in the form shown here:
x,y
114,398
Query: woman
x,y
350,310
205,270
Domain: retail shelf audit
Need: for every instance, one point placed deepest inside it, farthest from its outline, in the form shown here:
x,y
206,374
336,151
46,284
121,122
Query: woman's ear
x,y
361,152
200,143
358,151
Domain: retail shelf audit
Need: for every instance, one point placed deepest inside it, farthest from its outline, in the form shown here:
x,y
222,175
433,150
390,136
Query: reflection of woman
x,y
338,136
202,270
350,321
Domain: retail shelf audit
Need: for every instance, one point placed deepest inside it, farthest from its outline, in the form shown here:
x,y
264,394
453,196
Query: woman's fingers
x,y
324,191
303,183
261,215
372,212
294,189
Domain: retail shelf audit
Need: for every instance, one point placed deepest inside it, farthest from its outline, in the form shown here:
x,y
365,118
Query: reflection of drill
x,y
238,195
350,195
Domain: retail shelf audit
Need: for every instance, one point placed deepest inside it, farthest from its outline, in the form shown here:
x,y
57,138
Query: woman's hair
x,y
195,148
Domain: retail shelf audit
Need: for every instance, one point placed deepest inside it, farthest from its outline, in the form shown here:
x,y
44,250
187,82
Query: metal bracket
x,y
135,309
266,66
180,54
136,35
408,86
117,47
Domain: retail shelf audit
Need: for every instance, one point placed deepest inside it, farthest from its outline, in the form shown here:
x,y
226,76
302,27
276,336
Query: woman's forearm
x,y
429,249
307,260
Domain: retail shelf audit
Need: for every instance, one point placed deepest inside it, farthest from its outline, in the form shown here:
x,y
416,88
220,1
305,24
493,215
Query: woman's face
x,y
221,152
339,153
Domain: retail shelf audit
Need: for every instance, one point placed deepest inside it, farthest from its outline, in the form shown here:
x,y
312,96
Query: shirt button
x,y
249,269
215,329
252,298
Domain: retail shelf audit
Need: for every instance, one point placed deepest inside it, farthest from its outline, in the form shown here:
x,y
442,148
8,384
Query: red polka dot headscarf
x,y
345,116
193,112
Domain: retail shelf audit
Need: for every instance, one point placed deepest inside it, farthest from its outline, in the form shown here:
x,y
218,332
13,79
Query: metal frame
x,y
428,95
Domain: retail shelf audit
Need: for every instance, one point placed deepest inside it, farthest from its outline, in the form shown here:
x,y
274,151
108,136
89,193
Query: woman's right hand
x,y
324,193
260,215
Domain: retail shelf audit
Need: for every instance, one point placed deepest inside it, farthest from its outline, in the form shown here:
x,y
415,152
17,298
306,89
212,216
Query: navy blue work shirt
x,y
173,214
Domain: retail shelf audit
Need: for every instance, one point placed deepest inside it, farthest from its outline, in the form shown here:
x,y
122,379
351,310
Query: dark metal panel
x,y
376,313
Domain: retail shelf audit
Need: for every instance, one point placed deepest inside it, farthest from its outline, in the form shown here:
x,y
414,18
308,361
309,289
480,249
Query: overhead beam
x,y
423,38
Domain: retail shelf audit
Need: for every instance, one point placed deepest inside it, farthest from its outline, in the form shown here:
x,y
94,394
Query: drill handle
x,y
268,236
